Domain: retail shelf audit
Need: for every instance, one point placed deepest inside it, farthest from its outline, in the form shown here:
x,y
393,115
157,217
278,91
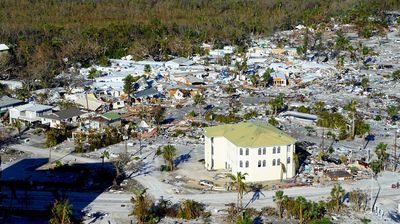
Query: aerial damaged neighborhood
x,y
299,124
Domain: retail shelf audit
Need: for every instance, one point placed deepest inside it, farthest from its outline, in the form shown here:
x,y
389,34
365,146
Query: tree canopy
x,y
63,33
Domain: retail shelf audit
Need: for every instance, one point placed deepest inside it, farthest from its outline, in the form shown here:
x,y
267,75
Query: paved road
x,y
39,152
218,200
118,203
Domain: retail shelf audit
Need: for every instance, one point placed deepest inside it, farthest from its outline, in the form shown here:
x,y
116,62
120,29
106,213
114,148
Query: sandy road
x,y
118,204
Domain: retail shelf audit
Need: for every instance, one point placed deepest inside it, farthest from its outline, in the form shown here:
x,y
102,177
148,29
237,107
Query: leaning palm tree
x,y
337,194
198,100
376,167
61,212
104,155
169,153
283,170
241,186
381,153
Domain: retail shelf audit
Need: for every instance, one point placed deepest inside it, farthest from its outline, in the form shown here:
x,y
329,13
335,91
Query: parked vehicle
x,y
206,183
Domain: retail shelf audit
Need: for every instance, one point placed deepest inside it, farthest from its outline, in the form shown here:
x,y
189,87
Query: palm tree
x,y
198,100
169,153
253,80
319,107
337,193
61,212
141,206
79,139
276,103
147,69
267,76
241,186
376,167
283,170
353,109
227,59
278,199
381,153
18,125
300,205
190,209
104,155
128,86
296,161
289,204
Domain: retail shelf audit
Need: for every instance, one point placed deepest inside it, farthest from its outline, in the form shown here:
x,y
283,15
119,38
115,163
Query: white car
x,y
206,183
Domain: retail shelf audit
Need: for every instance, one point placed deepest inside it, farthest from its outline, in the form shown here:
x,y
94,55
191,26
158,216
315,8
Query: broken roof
x,y
279,75
182,61
33,107
64,114
192,79
4,47
146,93
6,101
250,134
89,101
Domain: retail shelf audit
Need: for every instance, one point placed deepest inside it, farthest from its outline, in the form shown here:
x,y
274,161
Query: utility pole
x,y
323,138
126,143
351,156
371,202
87,102
140,142
1,197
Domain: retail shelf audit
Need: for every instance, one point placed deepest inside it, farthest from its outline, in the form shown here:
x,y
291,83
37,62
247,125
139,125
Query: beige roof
x,y
89,101
251,134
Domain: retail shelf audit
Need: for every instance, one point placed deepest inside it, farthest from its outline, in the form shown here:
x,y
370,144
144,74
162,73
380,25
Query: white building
x,y
255,148
29,112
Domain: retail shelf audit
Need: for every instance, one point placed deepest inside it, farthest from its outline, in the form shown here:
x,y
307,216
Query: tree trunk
x,y
49,155
198,107
63,214
241,202
353,127
337,204
237,201
301,215
171,164
323,139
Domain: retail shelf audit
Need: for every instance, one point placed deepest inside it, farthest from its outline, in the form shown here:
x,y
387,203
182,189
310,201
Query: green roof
x,y
111,116
250,134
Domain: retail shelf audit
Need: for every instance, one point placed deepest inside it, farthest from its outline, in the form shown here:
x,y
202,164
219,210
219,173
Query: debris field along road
x,y
119,202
